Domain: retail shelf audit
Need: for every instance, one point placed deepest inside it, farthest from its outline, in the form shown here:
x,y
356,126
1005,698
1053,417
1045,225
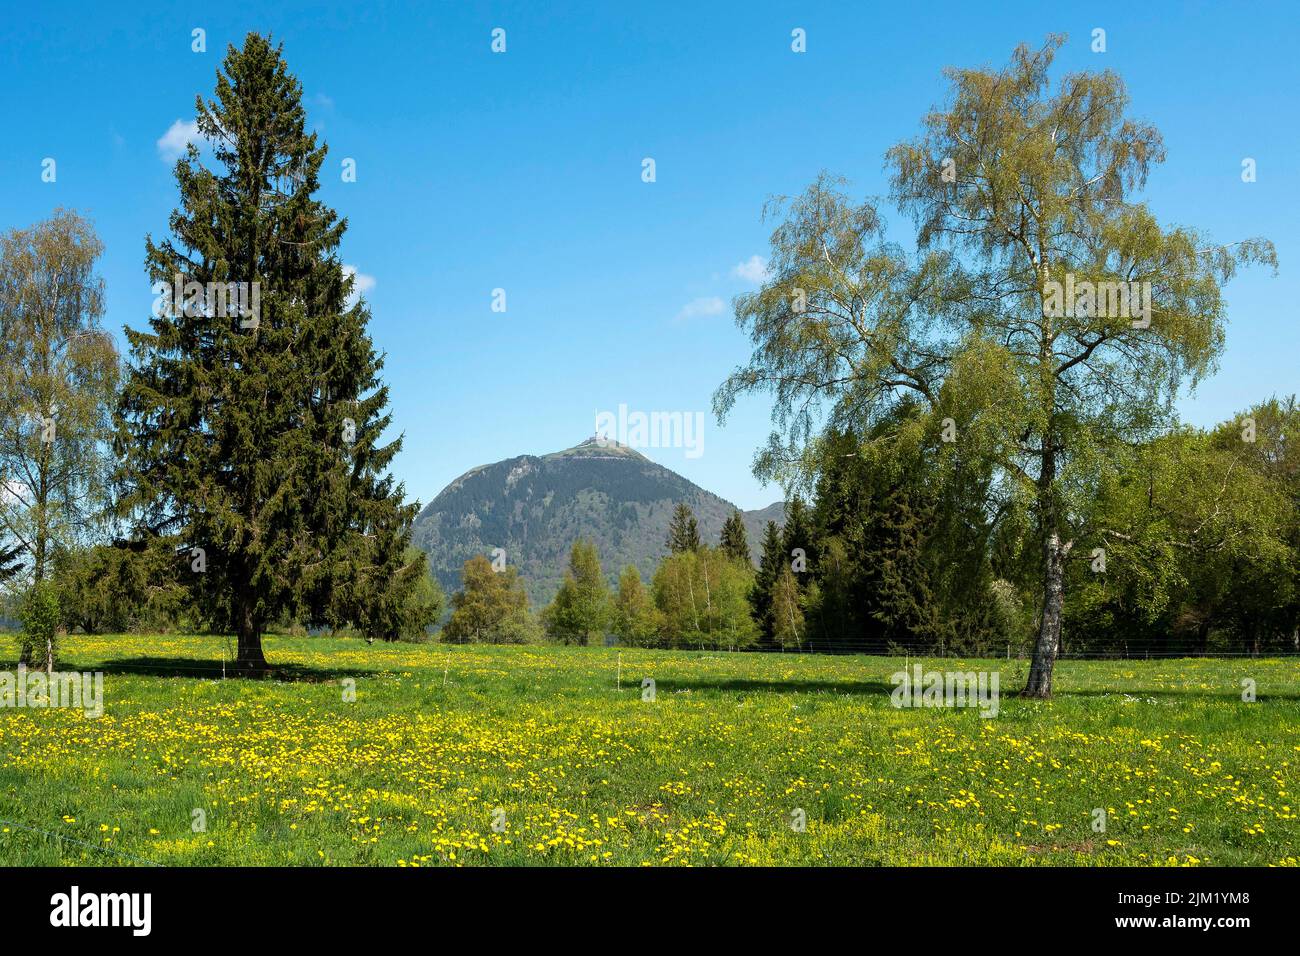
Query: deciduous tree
x,y
1025,194
580,611
491,606
636,619
58,381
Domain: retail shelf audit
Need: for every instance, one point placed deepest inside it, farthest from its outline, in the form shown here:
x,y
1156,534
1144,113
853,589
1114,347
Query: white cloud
x,y
321,104
708,305
753,269
361,283
179,135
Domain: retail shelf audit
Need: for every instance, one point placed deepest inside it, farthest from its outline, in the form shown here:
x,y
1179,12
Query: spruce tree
x,y
684,531
10,563
735,542
899,596
251,419
770,565
797,536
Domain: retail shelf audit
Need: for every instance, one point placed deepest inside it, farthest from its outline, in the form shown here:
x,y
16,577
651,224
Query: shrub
x,y
40,618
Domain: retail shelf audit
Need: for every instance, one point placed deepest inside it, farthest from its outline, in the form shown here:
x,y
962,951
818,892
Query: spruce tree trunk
x,y
1049,631
249,660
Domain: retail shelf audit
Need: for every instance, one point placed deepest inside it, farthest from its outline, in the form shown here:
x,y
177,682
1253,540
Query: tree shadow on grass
x,y
872,688
203,669
1231,696
868,688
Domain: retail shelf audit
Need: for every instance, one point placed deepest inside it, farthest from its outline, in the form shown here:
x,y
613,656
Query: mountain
x,y
535,508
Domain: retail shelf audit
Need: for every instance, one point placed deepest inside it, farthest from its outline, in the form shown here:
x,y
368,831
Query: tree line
x,y
1196,551
700,597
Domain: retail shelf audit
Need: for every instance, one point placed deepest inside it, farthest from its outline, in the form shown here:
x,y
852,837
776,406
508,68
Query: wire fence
x,y
63,838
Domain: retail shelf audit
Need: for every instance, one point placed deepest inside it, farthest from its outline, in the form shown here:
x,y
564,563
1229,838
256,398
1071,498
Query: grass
x,y
288,772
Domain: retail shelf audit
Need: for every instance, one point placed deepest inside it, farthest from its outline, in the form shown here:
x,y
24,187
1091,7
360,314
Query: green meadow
x,y
432,755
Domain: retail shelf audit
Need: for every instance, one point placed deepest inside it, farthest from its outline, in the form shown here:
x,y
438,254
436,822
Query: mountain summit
x,y
535,507
598,447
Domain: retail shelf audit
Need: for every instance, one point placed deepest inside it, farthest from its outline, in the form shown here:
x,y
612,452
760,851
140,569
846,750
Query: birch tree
x,y
58,381
1045,317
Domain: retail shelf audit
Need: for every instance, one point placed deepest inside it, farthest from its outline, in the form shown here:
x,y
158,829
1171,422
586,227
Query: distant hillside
x,y
536,507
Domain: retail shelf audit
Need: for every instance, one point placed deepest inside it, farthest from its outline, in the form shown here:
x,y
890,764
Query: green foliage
x,y
636,620
580,612
787,611
520,626
382,598
131,586
58,381
770,564
40,619
1016,185
902,544
10,562
702,597
902,600
401,605
424,603
797,539
490,608
1195,545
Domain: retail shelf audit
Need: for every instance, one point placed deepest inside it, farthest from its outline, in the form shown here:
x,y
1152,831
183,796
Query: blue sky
x,y
522,171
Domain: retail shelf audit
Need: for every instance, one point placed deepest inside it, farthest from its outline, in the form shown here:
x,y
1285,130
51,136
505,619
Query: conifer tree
x,y
251,420
684,531
797,539
899,596
9,562
735,542
769,569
